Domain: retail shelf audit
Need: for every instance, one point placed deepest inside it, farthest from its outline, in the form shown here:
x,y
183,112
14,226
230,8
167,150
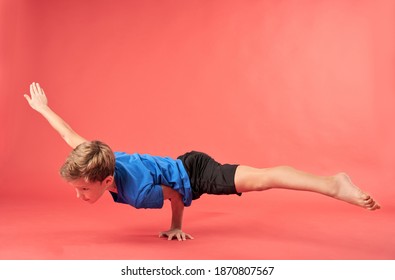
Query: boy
x,y
145,181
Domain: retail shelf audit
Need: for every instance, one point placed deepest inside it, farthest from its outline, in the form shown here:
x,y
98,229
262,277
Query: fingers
x,y
32,91
36,89
39,89
168,235
177,235
188,236
181,236
27,97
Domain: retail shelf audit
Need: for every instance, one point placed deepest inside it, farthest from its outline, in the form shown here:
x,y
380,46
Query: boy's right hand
x,y
175,233
38,99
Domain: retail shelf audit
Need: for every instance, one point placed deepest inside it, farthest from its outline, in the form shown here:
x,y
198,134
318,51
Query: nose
x,y
78,194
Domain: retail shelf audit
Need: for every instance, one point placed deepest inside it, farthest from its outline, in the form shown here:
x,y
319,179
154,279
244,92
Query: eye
x,y
85,189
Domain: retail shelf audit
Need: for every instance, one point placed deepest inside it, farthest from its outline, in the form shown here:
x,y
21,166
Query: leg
x,y
338,186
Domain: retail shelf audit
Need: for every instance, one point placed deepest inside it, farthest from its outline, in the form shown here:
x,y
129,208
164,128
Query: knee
x,y
278,174
268,174
262,180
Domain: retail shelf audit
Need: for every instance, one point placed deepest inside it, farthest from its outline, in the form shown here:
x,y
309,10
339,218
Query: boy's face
x,y
91,192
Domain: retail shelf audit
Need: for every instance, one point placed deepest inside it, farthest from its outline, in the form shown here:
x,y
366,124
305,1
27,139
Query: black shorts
x,y
208,176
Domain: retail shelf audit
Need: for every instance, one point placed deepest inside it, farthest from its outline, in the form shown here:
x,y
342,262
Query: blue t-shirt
x,y
139,178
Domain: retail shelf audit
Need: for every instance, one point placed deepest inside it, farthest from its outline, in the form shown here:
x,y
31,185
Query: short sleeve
x,y
151,196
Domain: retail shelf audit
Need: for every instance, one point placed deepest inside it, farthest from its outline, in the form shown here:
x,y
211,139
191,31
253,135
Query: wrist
x,y
43,109
175,226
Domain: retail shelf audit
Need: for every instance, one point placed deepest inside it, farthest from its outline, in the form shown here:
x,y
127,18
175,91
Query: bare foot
x,y
348,192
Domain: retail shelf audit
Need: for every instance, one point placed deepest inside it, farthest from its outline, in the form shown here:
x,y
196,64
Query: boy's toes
x,y
373,206
365,196
369,202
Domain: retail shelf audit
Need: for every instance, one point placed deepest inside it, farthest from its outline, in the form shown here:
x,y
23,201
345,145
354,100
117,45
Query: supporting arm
x,y
177,209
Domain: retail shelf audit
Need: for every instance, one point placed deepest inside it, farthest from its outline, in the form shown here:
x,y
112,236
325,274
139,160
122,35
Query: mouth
x,y
90,201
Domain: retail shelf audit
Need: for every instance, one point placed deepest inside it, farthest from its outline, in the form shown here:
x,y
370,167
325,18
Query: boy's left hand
x,y
38,100
178,233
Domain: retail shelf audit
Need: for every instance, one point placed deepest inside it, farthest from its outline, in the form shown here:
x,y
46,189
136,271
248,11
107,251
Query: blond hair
x,y
92,161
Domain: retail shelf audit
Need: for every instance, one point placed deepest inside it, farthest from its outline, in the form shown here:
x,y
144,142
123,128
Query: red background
x,y
302,83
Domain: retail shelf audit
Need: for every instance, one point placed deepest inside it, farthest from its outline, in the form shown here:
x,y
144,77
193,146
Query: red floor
x,y
256,226
303,83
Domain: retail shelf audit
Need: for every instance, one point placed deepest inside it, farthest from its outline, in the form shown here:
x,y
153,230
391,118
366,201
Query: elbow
x,y
68,140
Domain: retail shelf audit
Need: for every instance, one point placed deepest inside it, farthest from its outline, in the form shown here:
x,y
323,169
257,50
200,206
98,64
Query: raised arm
x,y
39,102
177,209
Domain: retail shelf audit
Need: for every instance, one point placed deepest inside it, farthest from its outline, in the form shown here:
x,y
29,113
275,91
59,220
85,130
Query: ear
x,y
108,180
